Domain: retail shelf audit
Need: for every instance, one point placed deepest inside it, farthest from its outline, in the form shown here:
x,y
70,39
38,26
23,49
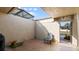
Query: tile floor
x,y
38,45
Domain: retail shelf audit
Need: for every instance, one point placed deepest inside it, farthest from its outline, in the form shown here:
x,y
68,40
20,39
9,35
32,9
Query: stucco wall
x,y
16,28
45,26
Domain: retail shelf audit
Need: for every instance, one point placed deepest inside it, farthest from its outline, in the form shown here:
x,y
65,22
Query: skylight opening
x,y
34,13
37,12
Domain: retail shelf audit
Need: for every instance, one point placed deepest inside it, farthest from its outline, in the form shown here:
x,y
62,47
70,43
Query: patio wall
x,y
16,28
45,26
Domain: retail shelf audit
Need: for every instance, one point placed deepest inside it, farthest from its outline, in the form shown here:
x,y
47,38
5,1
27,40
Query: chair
x,y
49,38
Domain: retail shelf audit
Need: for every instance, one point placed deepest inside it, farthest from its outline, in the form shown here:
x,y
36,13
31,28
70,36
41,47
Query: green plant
x,y
15,44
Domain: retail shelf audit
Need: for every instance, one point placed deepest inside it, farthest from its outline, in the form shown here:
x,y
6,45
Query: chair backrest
x,y
50,36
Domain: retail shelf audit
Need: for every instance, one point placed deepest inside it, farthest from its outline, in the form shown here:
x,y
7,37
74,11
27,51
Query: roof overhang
x,y
56,12
5,9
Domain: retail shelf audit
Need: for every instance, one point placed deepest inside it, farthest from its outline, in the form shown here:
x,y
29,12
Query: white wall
x,y
41,31
16,28
45,26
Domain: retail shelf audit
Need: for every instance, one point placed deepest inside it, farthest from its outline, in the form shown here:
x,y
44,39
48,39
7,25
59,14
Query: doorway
x,y
65,24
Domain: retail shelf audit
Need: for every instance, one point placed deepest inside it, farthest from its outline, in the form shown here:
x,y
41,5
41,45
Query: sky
x,y
65,22
37,12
